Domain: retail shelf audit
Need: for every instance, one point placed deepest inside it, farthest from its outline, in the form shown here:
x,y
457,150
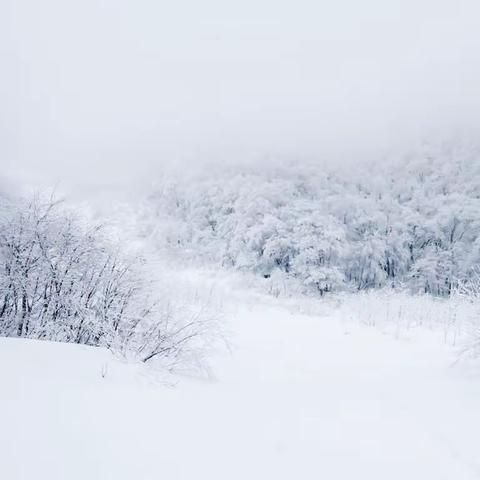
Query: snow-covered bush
x,y
400,312
469,293
62,280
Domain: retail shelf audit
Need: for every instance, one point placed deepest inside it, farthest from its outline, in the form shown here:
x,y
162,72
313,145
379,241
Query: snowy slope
x,y
300,397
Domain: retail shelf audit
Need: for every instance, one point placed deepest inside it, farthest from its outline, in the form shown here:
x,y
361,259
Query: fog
x,y
98,94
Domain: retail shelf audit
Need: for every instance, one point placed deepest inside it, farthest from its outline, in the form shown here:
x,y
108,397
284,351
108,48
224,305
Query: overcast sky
x,y
98,92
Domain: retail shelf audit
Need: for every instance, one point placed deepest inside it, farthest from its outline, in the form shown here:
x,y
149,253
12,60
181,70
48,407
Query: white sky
x,y
96,92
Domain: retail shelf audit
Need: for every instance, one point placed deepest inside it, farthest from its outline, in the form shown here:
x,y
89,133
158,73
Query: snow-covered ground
x,y
300,396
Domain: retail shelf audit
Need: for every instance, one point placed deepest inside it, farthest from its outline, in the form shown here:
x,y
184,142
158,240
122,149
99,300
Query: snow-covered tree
x,y
61,279
411,220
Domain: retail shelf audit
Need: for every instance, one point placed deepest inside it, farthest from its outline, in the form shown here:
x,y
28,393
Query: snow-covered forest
x,y
407,226
411,221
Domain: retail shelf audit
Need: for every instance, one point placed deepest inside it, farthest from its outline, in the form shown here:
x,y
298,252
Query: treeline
x,y
412,221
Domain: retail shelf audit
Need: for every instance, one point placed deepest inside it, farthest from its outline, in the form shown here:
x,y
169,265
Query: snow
x,y
299,396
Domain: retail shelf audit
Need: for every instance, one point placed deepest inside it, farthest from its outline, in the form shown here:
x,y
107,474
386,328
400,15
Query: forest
x,y
408,222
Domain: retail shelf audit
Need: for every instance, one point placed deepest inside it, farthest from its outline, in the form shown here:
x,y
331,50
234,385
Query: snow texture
x,y
301,396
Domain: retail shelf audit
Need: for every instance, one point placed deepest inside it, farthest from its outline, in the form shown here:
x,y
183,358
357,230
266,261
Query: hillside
x,y
302,396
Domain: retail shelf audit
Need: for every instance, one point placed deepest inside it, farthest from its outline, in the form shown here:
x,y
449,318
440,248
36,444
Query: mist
x,y
106,94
